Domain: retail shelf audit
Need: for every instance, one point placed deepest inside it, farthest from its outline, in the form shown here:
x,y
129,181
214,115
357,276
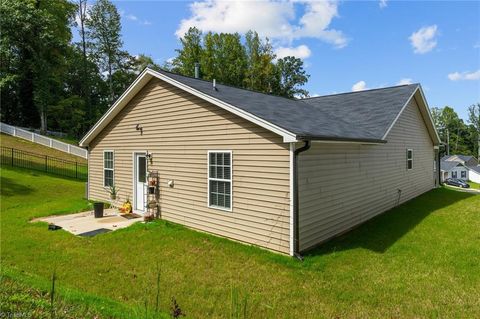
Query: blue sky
x,y
346,45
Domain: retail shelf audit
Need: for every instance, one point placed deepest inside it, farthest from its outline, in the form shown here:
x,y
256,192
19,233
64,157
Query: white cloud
x,y
457,76
277,20
424,40
131,17
302,52
359,86
382,4
405,81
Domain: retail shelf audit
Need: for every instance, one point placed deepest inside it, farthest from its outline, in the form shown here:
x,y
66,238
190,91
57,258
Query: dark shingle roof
x,y
363,116
464,158
475,168
447,165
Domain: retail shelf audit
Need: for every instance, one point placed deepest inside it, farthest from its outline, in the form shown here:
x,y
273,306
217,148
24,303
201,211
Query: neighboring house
x,y
474,175
279,173
464,167
451,169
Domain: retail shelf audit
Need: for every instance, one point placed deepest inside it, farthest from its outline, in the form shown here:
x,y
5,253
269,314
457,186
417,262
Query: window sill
x,y
220,208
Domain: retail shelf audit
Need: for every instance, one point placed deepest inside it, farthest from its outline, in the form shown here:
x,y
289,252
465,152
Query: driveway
x,y
465,190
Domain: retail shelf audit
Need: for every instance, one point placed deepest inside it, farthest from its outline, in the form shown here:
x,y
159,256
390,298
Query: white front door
x,y
140,169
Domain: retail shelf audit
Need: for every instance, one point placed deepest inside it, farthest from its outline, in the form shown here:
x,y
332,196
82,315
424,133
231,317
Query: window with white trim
x,y
454,174
463,174
409,158
108,168
220,179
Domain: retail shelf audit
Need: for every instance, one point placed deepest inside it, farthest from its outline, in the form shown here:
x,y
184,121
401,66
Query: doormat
x,y
95,232
131,216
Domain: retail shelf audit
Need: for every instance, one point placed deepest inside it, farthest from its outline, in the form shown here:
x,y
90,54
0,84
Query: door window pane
x,y
142,169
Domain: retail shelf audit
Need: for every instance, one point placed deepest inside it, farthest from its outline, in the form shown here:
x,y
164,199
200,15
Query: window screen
x,y
220,179
108,168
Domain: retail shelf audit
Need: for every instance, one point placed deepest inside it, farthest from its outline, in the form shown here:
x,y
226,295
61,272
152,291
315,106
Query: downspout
x,y
440,183
296,228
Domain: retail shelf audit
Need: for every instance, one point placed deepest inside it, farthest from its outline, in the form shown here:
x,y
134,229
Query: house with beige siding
x,y
283,174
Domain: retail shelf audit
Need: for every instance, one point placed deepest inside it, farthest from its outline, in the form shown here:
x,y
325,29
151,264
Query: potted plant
x,y
113,190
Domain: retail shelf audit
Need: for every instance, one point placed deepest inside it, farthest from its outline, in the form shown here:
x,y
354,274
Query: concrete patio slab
x,y
86,222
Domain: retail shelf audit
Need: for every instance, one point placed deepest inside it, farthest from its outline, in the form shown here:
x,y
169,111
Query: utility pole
x,y
448,142
456,143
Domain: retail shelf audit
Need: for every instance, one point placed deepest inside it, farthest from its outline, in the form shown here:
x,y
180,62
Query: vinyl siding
x,y
343,185
179,129
474,176
459,169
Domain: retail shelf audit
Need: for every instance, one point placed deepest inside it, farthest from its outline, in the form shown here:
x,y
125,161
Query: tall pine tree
x,y
105,43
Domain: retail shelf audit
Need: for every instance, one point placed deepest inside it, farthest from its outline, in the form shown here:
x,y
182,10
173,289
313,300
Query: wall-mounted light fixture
x,y
148,156
139,128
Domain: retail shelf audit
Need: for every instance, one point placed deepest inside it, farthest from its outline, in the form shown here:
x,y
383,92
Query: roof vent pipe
x,y
197,70
214,84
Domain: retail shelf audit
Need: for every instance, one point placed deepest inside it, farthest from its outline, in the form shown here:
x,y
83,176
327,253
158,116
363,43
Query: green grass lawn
x,y
474,185
21,300
28,146
419,260
25,154
66,139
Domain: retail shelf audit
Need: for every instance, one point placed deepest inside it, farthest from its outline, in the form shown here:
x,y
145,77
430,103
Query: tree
x,y
260,73
103,31
290,78
436,116
68,115
190,53
74,85
85,75
34,40
452,130
474,119
223,58
143,61
252,65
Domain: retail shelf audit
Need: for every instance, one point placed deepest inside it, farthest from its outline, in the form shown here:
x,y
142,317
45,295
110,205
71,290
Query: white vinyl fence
x,y
46,141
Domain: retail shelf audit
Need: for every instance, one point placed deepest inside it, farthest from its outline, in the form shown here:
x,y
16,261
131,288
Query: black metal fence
x,y
45,163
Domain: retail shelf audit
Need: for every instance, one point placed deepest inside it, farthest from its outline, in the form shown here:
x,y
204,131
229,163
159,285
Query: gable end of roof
x,y
419,97
146,76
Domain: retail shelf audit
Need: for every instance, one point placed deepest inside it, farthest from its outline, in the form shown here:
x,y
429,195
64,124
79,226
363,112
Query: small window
x,y
409,158
108,168
220,180
454,175
464,174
